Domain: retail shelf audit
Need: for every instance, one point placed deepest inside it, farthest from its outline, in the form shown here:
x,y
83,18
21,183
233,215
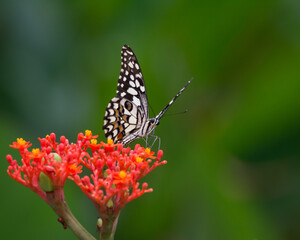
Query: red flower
x,y
73,169
144,153
94,146
88,135
109,146
35,154
121,178
20,144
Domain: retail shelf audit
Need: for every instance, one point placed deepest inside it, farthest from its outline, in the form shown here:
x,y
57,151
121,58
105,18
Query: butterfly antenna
x,y
159,116
178,113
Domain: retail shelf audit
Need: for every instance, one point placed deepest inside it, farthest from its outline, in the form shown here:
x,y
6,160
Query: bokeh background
x,y
233,167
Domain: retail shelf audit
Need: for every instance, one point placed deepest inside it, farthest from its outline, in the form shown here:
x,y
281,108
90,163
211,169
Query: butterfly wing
x,y
126,113
122,119
131,83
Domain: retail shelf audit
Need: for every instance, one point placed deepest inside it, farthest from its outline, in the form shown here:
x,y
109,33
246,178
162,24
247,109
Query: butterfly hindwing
x,y
122,118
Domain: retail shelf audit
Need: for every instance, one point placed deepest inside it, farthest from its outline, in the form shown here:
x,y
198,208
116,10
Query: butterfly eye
x,y
152,120
128,105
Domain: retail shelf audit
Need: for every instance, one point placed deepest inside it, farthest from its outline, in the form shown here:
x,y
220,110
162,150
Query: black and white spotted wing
x,y
131,84
128,111
127,115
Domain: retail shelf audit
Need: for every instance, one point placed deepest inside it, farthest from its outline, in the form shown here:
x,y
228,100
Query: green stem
x,y
109,226
56,200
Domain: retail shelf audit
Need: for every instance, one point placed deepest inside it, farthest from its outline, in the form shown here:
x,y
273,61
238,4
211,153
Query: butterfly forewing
x,y
131,84
126,113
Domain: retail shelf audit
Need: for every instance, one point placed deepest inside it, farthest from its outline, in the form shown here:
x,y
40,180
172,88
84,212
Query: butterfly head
x,y
149,126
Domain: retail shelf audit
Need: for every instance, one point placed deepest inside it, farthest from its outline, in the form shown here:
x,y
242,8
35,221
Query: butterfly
x,y
127,115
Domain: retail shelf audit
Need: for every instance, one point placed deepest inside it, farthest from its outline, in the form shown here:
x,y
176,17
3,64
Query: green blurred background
x,y
233,167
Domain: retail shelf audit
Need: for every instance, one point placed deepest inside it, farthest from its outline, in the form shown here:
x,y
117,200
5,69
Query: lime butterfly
x,y
127,116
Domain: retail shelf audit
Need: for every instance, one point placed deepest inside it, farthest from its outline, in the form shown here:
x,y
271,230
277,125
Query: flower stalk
x,y
61,208
109,226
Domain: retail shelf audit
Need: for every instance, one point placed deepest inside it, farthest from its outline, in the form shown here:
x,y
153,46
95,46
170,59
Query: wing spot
x,y
126,72
115,132
112,119
138,75
128,105
120,136
131,83
137,83
109,128
136,101
125,118
121,110
123,94
132,91
110,111
115,124
131,77
142,89
124,79
130,65
137,66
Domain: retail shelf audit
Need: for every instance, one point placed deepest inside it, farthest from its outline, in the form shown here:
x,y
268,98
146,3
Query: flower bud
x,y
45,183
57,157
62,139
110,203
99,223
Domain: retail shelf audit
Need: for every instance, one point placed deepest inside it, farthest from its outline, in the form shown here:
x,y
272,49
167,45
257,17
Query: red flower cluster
x,y
53,161
115,174
115,170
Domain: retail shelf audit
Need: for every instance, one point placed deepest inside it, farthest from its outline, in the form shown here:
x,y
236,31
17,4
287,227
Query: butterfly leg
x,y
146,141
155,138
150,140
